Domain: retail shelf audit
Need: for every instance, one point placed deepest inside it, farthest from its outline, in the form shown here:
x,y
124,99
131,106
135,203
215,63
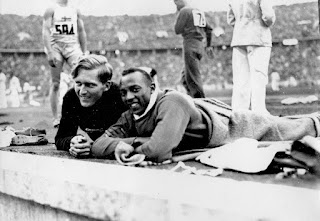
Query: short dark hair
x,y
149,70
91,62
146,75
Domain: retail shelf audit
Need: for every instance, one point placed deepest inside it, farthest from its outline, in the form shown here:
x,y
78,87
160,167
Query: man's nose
x,y
83,90
129,96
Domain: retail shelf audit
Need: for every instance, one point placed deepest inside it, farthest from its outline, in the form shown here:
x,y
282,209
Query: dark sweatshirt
x,y
93,120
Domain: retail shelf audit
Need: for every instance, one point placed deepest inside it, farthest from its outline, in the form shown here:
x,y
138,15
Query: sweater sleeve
x,y
172,121
105,145
180,22
208,30
268,14
68,124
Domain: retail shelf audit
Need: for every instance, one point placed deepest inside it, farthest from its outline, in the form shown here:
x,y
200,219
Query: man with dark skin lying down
x,y
159,123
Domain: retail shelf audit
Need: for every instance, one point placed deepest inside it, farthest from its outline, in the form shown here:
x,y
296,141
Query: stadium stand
x,y
151,41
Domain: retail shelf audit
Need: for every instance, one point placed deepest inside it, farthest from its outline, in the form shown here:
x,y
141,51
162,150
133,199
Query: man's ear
x,y
107,85
153,87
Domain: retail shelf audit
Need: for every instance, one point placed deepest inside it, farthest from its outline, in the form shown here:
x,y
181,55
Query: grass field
x,y
274,98
40,117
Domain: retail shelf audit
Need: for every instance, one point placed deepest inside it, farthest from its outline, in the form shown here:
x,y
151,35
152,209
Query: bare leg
x,y
54,91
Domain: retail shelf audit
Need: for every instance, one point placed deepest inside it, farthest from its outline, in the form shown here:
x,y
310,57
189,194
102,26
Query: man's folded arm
x,y
68,124
172,123
63,143
104,146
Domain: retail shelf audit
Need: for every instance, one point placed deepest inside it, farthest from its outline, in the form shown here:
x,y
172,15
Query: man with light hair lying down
x,y
93,105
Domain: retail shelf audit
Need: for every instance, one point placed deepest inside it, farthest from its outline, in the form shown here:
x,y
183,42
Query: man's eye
x,y
78,84
135,90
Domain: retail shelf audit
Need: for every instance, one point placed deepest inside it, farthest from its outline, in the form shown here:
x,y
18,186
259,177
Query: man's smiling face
x,y
88,87
136,92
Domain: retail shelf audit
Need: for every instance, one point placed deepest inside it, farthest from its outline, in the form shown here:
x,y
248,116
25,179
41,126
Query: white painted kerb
x,y
114,192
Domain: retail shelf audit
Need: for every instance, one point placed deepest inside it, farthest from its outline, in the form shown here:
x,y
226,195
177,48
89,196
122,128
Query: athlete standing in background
x,y
192,25
64,39
251,50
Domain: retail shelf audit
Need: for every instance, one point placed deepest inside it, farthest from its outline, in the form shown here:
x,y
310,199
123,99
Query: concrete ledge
x,y
16,209
111,192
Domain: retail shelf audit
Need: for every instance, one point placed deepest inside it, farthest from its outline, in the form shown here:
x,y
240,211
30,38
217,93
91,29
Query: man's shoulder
x,y
70,99
49,11
186,10
175,96
70,94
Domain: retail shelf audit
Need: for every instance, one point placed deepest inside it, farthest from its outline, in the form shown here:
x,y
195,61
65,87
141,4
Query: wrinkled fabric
x,y
177,123
241,155
251,20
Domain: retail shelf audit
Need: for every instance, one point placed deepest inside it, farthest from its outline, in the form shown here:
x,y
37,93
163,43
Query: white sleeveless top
x,y
64,25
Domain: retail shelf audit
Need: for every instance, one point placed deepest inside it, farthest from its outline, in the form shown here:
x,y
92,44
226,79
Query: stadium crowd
x,y
151,41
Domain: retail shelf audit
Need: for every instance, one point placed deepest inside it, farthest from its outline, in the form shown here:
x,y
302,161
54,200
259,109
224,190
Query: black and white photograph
x,y
162,110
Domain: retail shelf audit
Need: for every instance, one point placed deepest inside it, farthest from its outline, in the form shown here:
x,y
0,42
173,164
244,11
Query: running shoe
x,y
29,131
307,150
29,140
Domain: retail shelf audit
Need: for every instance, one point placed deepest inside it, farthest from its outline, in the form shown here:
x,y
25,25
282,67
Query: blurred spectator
x,y
142,30
275,81
3,98
299,61
65,85
13,90
292,81
302,61
44,83
118,65
28,94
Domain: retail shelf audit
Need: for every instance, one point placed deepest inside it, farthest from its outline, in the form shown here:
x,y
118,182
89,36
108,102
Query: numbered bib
x,y
199,18
64,28
65,21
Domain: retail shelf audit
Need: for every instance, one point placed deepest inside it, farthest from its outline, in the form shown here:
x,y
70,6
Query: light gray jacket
x,y
252,20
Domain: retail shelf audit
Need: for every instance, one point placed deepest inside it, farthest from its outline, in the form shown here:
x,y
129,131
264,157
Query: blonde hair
x,y
92,62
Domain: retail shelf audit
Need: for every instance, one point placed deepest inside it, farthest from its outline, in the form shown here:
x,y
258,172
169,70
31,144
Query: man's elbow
x,y
97,152
102,148
157,156
177,31
59,147
62,146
